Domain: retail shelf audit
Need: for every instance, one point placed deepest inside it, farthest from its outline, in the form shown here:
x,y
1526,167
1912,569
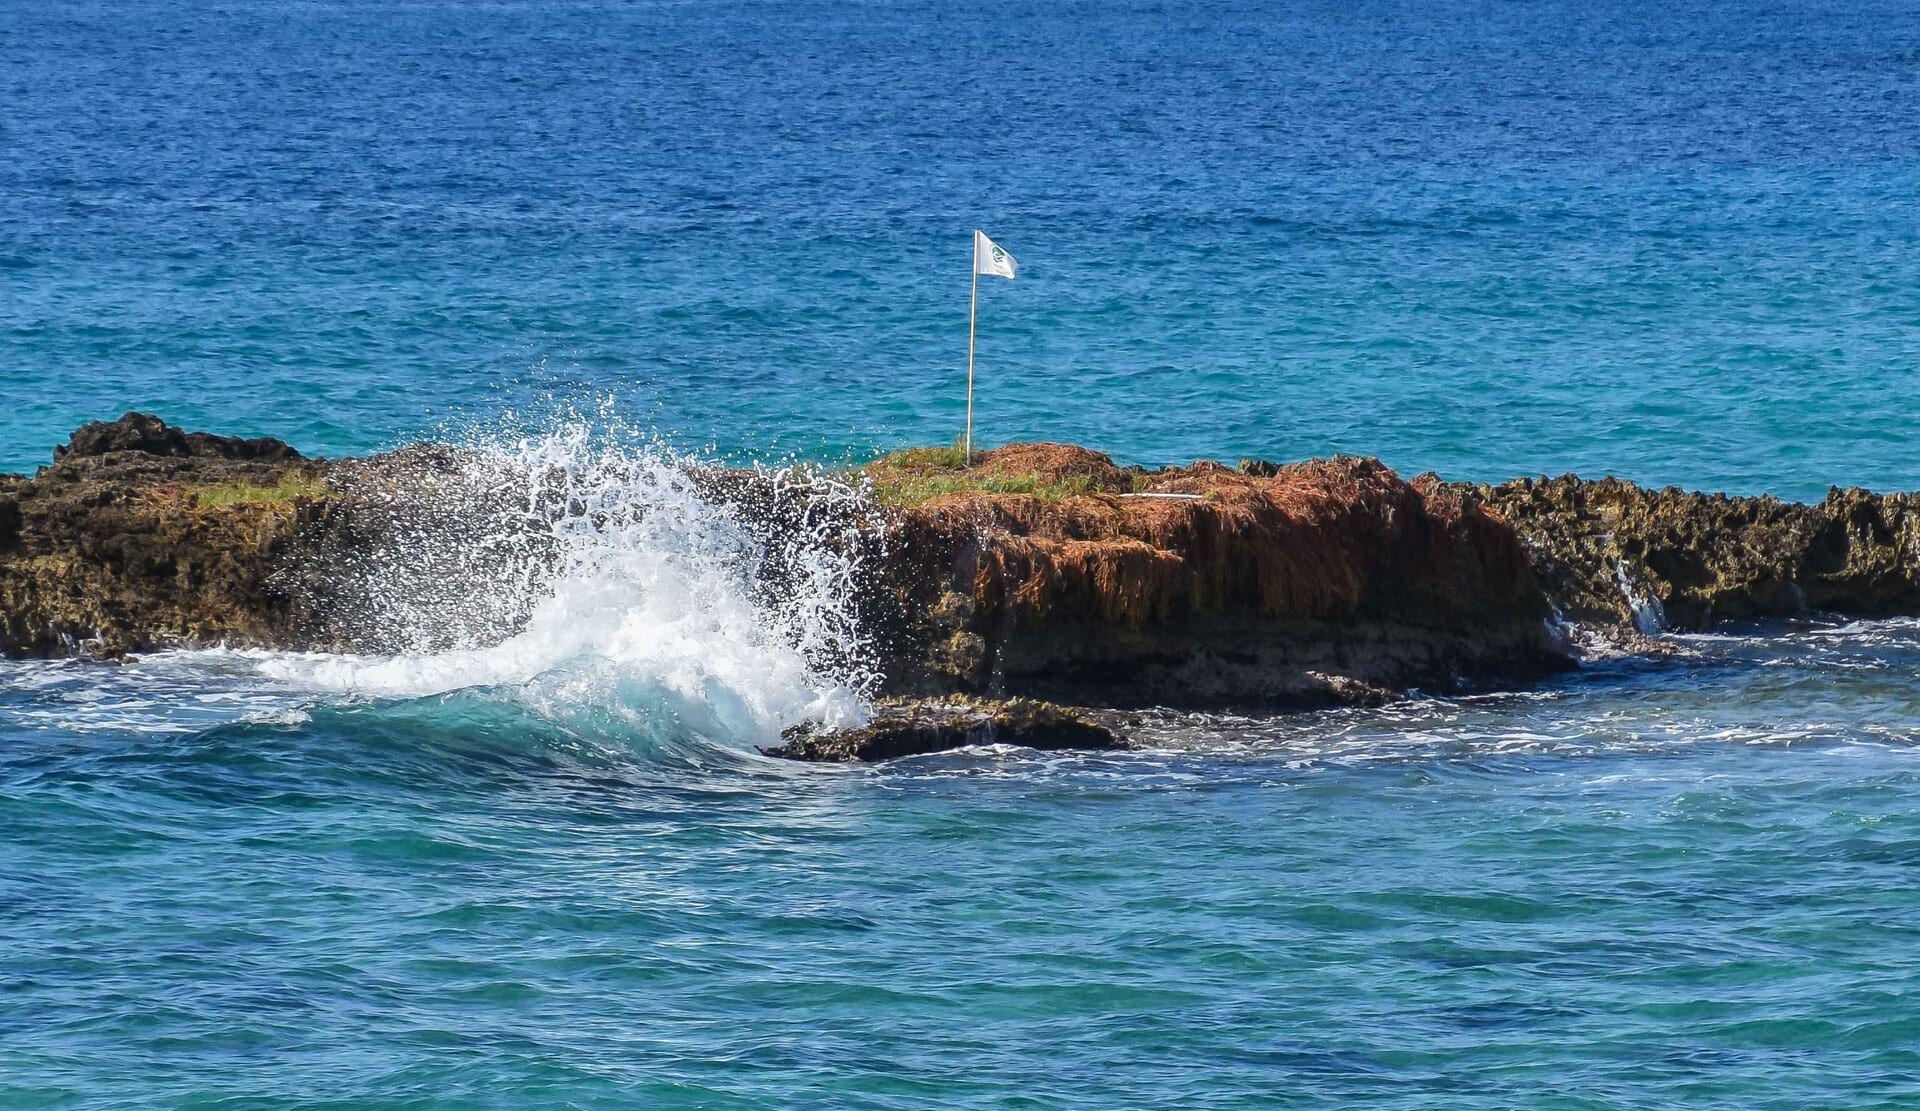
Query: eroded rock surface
x,y
1609,552
140,534
1314,583
1034,571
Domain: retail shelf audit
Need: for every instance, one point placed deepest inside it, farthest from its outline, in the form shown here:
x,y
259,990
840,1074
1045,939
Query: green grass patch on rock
x,y
292,486
921,474
953,457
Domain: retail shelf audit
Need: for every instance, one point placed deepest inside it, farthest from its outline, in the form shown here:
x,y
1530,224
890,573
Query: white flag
x,y
990,258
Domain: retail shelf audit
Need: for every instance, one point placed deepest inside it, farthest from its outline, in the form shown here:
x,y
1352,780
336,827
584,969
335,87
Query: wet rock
x,y
424,549
1610,553
916,727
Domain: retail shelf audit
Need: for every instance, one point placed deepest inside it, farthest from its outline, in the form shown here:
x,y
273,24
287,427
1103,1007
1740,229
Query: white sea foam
x,y
163,692
636,590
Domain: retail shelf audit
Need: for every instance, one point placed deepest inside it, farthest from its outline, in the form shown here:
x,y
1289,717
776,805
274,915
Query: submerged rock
x,y
915,727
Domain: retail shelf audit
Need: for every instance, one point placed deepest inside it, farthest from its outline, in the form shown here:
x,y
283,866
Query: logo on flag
x,y
991,259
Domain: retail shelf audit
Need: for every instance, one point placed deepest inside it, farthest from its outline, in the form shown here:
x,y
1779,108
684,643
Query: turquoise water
x,y
1648,886
1670,241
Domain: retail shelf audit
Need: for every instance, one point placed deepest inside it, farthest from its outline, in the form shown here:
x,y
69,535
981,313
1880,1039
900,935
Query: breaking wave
x,y
603,580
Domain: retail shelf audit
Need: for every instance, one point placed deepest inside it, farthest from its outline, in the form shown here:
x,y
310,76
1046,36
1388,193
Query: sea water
x,y
548,868
1673,241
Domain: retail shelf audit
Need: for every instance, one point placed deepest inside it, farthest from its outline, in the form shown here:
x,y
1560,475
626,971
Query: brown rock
x,y
1308,584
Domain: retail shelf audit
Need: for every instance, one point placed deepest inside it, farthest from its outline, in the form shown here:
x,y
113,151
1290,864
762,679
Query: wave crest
x,y
587,573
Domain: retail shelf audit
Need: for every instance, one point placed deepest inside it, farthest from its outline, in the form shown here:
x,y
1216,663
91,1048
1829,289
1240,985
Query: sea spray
x,y
1649,615
592,576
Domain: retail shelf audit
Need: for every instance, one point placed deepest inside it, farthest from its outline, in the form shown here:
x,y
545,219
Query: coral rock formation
x,y
1690,559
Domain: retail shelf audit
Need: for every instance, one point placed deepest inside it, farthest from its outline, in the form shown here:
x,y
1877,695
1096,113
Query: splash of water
x,y
1649,615
590,576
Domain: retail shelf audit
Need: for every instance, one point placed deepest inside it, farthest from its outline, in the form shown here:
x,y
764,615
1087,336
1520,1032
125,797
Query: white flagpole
x,y
973,314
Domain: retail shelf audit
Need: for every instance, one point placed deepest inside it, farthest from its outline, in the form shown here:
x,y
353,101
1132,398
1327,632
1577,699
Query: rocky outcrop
x,y
1610,553
1329,581
1033,571
907,727
141,534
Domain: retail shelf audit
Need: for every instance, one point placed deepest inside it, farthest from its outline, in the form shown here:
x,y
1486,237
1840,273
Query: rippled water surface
x,y
1673,241
1682,882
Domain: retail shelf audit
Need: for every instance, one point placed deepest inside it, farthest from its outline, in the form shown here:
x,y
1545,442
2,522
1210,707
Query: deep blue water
x,y
1672,241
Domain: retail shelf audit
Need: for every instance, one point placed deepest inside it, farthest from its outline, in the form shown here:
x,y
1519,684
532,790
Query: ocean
x,y
1674,242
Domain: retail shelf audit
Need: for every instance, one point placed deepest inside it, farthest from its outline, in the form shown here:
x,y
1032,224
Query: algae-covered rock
x,y
1609,552
140,534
